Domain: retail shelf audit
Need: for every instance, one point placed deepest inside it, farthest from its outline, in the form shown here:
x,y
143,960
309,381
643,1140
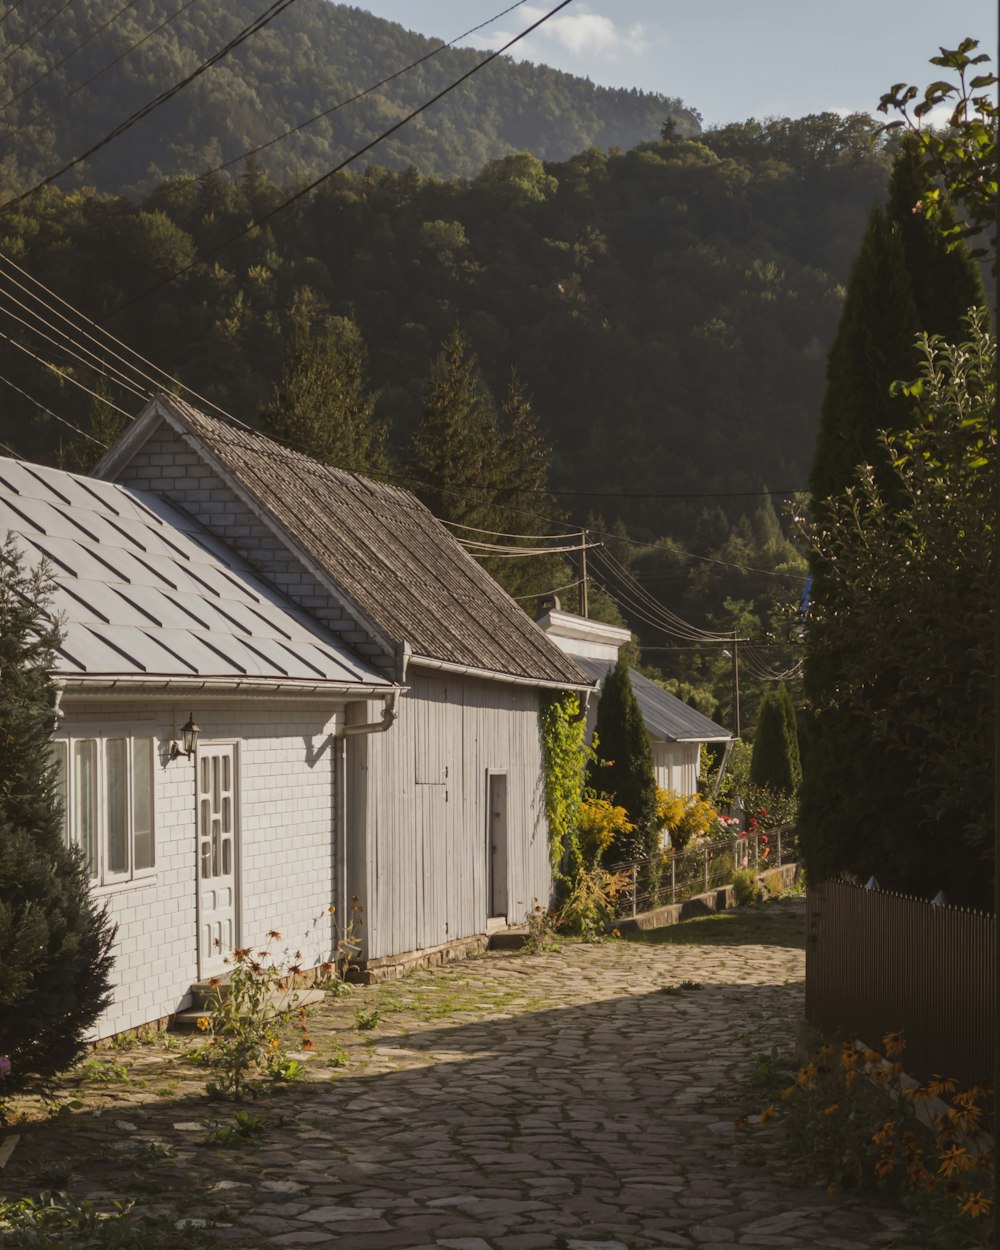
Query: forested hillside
x,y
307,60
667,309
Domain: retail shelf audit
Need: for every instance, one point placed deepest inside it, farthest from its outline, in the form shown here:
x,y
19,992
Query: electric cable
x,y
367,90
626,575
497,534
544,594
274,9
27,38
48,411
16,130
653,608
66,377
51,70
9,10
310,187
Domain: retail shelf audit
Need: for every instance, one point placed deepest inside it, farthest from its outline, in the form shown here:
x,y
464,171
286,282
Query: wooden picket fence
x,y
878,962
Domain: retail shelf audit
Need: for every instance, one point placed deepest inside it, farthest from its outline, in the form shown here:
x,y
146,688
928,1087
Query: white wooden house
x,y
441,820
675,730
162,625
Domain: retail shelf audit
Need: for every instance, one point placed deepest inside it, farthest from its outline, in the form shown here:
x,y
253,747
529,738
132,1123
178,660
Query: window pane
x,y
142,803
58,751
115,765
85,800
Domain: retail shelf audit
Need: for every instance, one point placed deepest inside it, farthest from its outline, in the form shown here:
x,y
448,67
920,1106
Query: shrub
x,y
745,887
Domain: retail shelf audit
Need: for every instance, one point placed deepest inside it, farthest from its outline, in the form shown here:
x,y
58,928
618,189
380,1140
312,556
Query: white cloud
x,y
580,33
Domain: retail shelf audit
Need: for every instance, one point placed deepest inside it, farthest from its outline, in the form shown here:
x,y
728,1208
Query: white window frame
x,y
101,873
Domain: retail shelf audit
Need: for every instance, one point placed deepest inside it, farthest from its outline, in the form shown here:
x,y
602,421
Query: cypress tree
x,y
55,960
904,280
775,759
322,406
624,768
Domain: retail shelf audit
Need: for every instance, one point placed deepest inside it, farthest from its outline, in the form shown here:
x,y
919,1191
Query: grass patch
x,y
774,924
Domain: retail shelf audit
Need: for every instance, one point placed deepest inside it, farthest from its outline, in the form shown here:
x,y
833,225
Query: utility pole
x,y
584,605
736,682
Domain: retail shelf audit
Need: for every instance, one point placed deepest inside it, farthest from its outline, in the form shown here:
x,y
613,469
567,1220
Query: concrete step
x,y
203,998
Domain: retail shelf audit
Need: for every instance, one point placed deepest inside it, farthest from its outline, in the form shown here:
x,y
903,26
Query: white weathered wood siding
x,y
421,792
285,861
675,765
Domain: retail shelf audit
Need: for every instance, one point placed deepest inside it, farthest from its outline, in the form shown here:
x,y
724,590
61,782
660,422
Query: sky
x,y
729,59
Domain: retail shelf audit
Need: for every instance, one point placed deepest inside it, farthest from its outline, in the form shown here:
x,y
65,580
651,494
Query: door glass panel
x,y
115,756
205,833
142,803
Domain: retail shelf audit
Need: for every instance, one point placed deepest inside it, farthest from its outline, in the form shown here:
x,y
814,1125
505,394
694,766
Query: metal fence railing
x,y
878,962
674,876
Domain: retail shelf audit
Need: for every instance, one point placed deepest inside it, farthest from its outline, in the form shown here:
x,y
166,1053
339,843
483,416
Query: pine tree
x,y
624,768
322,405
454,455
55,943
775,759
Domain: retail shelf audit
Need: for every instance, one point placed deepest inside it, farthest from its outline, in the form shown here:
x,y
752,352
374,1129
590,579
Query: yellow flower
x,y
787,1093
833,1188
884,1134
939,1085
767,1115
977,1204
955,1159
884,1167
203,1023
807,1075
833,1108
894,1043
616,932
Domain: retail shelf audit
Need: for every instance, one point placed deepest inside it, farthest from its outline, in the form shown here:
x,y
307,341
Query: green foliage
x,y
565,755
906,279
55,943
315,52
900,649
322,405
624,770
245,1129
745,887
852,1120
774,763
960,161
245,1023
58,1220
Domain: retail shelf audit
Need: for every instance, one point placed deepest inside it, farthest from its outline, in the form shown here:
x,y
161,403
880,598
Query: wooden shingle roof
x,y
384,552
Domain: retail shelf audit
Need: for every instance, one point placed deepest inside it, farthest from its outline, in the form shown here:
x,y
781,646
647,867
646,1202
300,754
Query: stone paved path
x,y
579,1100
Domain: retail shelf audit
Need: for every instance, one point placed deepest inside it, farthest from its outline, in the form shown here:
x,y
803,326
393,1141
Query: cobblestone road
x,y
574,1100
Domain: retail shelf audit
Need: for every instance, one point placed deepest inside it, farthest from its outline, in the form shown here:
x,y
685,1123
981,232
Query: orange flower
x,y
308,1044
884,1167
787,1093
955,1159
767,1116
273,933
203,1023
977,1204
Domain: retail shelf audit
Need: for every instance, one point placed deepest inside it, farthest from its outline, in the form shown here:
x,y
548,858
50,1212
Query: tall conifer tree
x,y
322,405
55,943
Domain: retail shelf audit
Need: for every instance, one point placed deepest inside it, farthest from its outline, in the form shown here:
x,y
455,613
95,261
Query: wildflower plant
x,y
857,1121
247,1019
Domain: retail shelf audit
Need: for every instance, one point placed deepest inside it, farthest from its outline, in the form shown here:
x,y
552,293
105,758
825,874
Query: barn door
x,y
496,845
217,853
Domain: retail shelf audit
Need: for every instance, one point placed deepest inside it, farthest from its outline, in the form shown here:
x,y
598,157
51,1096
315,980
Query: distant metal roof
x,y
145,592
381,549
666,717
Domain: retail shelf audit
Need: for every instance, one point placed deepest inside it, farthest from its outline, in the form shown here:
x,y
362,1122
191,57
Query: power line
x,y
48,412
72,53
306,190
367,90
544,594
27,38
16,130
269,14
9,10
66,377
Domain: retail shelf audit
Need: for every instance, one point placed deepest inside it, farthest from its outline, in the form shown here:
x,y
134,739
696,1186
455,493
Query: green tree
x,y
55,943
898,783
623,770
323,406
775,760
906,279
454,453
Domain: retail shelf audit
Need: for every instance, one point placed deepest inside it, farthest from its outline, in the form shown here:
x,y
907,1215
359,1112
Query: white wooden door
x,y
217,853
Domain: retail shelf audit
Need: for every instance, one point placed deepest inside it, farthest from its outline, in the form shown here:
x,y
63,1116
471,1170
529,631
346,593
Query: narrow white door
x,y
217,846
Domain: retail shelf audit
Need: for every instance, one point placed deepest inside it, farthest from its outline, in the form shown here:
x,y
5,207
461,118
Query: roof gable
x,y
665,716
378,547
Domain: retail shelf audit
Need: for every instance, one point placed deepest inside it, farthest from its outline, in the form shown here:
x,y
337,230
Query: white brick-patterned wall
x,y
166,465
285,858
